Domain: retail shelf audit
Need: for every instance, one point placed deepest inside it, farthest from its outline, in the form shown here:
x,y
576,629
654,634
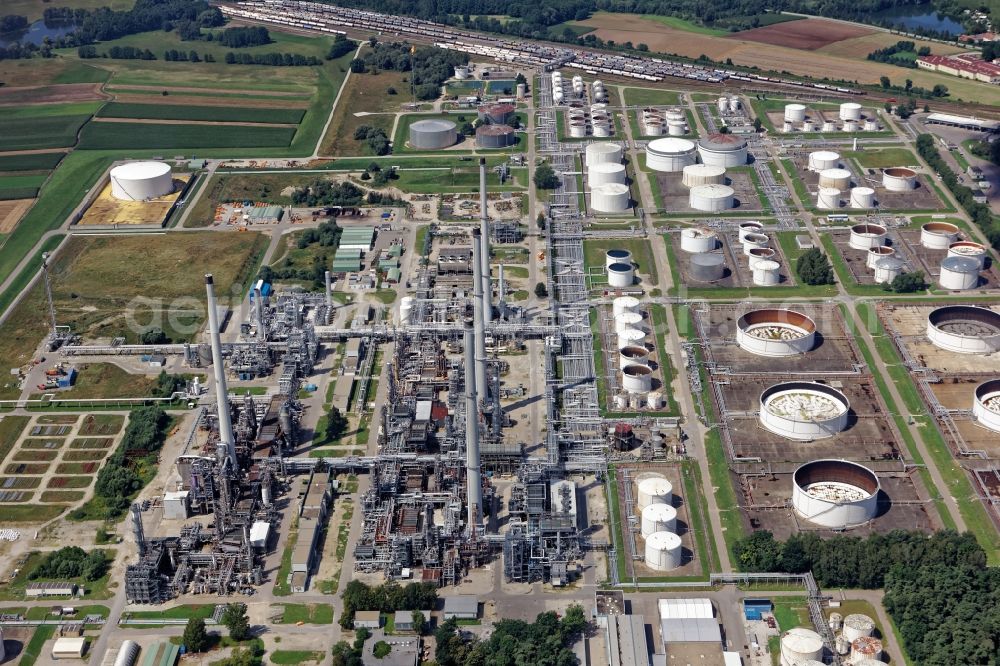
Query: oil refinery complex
x,y
593,320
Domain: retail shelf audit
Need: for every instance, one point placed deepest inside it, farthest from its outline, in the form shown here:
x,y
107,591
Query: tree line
x,y
237,38
429,66
545,642
898,54
387,598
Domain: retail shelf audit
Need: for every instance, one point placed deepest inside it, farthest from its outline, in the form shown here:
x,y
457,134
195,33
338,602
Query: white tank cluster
x,y
865,236
836,177
610,198
804,411
899,179
725,150
964,329
578,87
800,645
754,241
663,551
657,122
620,275
557,87
624,304
755,255
775,332
670,154
938,235
878,252
986,405
655,490
141,181
959,273
598,91
712,198
823,159
603,152
619,256
631,337
703,174
602,174
600,120
828,198
835,493
888,269
749,228
862,197
729,104
699,240
969,249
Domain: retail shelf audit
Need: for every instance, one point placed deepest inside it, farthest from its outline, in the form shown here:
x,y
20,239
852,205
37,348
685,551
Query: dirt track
x,y
69,92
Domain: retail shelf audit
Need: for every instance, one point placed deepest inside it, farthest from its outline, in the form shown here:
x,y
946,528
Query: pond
x,y
37,32
919,16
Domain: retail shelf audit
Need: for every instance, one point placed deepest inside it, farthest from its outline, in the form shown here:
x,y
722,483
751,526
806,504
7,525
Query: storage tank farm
x,y
433,134
799,645
670,154
141,181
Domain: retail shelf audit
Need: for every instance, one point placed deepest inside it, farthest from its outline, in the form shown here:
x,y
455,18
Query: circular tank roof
x,y
776,317
610,188
819,476
619,268
494,130
608,167
825,155
712,191
966,320
719,141
433,125
140,170
834,173
890,263
900,172
670,146
708,259
961,264
663,540
858,190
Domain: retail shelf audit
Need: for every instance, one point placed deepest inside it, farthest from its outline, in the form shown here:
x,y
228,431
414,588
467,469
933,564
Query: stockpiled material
x,y
109,136
231,113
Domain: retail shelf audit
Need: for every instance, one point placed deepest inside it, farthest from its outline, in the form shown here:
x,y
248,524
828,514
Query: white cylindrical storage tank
x,y
703,174
405,309
658,518
803,411
127,653
603,153
969,249
654,400
676,128
631,337
766,273
862,197
842,645
775,332
625,303
610,198
653,128
808,126
938,235
828,198
787,127
871,126
522,90
711,198
836,621
864,236
735,104
829,126
577,129
823,159
749,228
986,405
433,134
654,490
850,126
958,273
674,113
663,551
795,113
753,240
617,256
600,174
557,96
866,647
755,255
139,181
620,275
699,240
627,320
888,269
670,154
878,252
723,104
632,355
839,178
461,72
850,111
835,493
899,179
602,130
965,329
725,150
800,644
637,379
857,625
708,267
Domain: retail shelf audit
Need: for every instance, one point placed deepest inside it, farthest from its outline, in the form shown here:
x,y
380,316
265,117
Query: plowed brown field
x,y
69,92
806,34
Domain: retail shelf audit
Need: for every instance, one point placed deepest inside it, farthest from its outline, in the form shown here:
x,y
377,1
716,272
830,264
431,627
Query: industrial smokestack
x,y
478,307
329,291
501,295
484,230
227,444
473,478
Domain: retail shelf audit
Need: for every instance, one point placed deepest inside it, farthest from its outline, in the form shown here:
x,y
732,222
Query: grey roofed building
x,y
627,641
403,620
462,607
691,630
367,619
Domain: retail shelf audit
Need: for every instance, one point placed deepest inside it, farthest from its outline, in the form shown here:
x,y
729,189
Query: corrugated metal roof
x,y
691,630
685,608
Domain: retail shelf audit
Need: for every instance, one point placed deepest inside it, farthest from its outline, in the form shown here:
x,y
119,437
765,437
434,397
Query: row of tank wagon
x,y
708,264
851,120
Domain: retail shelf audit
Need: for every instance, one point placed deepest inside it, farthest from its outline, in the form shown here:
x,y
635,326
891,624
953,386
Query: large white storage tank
x,y
703,174
405,309
969,249
862,197
766,273
725,150
620,275
959,273
433,134
795,113
633,336
139,181
603,152
878,252
800,644
753,241
938,235
888,269
624,304
866,647
775,332
749,228
637,379
857,625
663,551
850,111
986,405
964,329
865,236
658,518
627,320
698,240
823,159
755,255
610,198
828,198
604,173
617,255
711,198
655,490
670,154
839,178
835,494
899,179
804,411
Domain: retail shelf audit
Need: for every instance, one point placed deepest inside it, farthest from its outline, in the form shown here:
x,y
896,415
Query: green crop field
x,y
125,136
44,132
49,110
232,113
36,162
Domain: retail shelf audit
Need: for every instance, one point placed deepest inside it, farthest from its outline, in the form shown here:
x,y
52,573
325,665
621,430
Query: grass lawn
x,y
202,113
11,428
29,513
364,93
294,656
14,589
882,158
307,614
107,380
184,612
137,135
33,650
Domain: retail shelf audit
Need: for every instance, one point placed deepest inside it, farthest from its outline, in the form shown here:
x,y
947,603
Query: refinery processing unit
x,y
574,328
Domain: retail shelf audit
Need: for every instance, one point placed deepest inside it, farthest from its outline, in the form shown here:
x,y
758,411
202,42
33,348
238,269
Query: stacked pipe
x,y
478,310
226,448
473,480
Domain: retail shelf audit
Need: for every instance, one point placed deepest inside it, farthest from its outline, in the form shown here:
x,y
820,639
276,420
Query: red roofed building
x,y
965,65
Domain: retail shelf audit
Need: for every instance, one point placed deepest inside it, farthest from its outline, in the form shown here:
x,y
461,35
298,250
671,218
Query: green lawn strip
x,y
698,510
800,187
231,113
307,614
614,517
294,656
282,587
48,612
183,612
650,97
658,317
602,389
10,429
959,486
881,158
33,650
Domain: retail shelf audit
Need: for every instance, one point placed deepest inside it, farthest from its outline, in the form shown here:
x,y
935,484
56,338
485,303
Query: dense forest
x,y
938,589
546,642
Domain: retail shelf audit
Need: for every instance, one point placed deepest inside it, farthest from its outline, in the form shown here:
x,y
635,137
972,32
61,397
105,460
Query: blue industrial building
x,y
753,609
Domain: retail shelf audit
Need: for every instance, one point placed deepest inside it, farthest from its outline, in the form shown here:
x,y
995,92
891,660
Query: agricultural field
x,y
31,162
230,113
20,186
33,133
126,136
364,93
650,97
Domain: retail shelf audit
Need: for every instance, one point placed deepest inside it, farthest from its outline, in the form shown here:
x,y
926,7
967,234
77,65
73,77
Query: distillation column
x,y
484,231
478,309
227,443
473,477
